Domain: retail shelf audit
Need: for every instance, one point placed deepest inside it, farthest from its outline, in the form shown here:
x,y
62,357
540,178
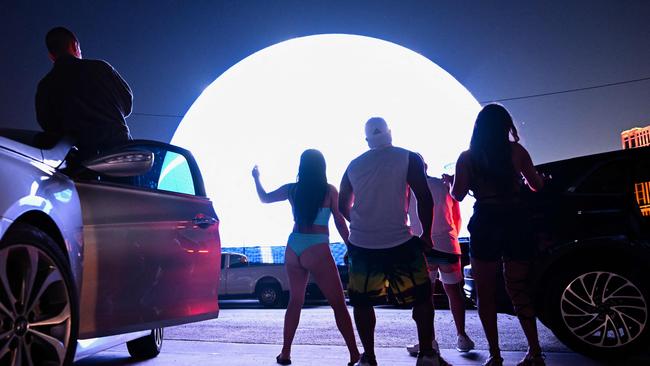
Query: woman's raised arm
x,y
279,194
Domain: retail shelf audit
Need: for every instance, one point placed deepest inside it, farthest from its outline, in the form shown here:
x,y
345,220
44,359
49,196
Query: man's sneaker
x,y
366,361
431,360
415,349
464,344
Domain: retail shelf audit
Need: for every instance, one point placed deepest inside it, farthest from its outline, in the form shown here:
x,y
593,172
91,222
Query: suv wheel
x,y
38,304
147,346
601,312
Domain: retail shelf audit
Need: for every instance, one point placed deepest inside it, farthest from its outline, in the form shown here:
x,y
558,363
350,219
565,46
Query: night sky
x,y
169,51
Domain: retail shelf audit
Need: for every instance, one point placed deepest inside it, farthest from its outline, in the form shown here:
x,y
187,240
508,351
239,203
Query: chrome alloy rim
x,y
269,295
158,337
35,320
604,309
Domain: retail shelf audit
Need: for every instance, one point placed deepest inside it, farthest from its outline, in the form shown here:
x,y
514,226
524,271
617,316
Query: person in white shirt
x,y
381,248
446,261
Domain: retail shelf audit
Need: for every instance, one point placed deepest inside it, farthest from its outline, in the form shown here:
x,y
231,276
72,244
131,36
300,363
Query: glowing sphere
x,y
316,92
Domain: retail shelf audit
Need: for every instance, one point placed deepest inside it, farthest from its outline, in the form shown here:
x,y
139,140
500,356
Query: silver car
x,y
100,252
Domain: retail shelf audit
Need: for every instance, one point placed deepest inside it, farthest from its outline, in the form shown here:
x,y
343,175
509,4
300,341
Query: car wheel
x,y
270,295
38,301
601,312
148,346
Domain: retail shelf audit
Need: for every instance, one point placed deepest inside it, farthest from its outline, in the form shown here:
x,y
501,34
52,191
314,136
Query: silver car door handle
x,y
204,221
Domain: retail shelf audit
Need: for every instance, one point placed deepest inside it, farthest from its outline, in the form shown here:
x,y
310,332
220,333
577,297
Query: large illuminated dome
x,y
316,92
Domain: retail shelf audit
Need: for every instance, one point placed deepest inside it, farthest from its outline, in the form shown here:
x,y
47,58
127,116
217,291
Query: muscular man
x,y
86,100
374,198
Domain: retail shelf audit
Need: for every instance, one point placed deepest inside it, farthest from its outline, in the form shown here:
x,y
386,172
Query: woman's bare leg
x,y
297,284
516,278
485,276
318,260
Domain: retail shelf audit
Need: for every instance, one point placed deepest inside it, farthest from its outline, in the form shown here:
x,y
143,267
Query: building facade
x,y
635,137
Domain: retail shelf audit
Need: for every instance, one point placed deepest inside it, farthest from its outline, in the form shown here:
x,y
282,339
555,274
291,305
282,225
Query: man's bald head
x,y
61,41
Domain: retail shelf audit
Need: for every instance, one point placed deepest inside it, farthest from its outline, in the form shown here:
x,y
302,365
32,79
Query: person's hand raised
x,y
448,179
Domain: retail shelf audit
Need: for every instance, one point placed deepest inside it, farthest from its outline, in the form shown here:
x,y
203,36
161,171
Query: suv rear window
x,y
609,178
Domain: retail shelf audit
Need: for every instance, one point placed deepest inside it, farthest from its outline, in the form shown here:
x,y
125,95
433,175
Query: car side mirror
x,y
128,163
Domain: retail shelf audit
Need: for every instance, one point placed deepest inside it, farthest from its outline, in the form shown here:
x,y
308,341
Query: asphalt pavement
x,y
246,334
247,322
196,353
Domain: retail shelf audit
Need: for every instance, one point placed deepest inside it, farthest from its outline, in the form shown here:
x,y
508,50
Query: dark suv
x,y
592,273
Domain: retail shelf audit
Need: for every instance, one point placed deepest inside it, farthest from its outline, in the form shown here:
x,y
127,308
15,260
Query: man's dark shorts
x,y
403,269
501,231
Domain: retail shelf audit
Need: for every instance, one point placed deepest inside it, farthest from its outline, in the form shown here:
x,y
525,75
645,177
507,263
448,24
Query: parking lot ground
x,y
248,334
238,354
248,322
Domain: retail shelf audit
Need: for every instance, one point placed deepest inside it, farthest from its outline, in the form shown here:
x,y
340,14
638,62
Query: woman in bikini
x,y
500,229
312,200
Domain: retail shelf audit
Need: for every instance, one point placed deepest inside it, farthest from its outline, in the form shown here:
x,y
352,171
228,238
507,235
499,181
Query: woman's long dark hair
x,y
490,147
309,192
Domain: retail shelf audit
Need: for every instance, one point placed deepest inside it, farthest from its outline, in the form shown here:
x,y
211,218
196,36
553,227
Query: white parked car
x,y
100,254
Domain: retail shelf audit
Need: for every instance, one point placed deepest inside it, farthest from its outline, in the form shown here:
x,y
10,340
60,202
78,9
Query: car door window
x,y
237,261
175,174
171,172
610,178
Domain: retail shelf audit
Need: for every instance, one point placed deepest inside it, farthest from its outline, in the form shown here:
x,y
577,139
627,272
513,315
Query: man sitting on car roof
x,y
86,100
